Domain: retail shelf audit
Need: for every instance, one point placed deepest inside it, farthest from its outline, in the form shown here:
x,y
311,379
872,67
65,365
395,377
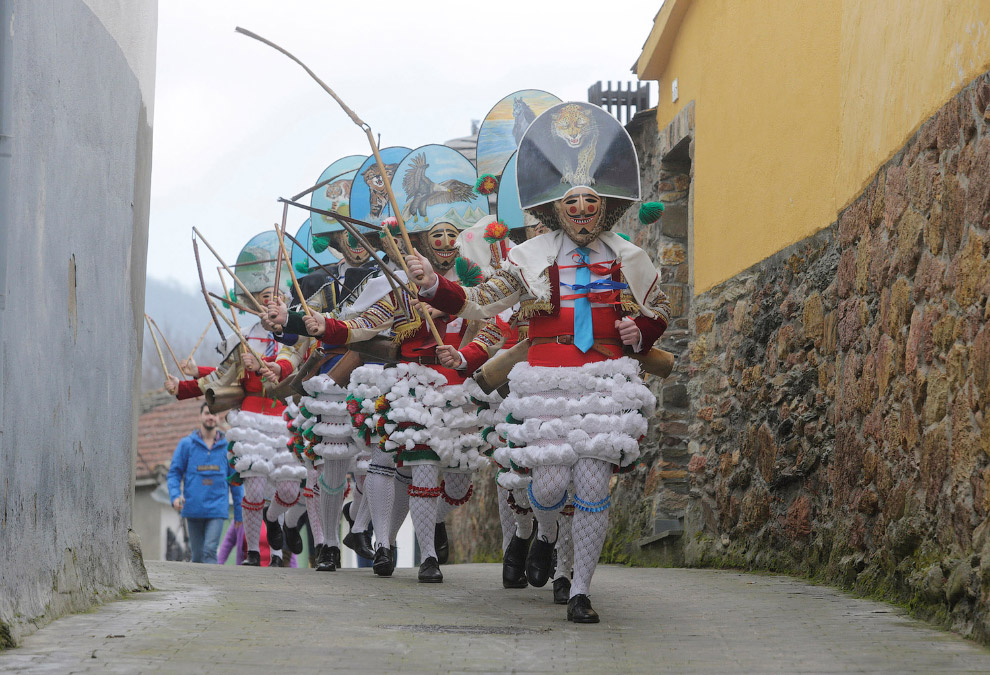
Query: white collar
x,y
567,244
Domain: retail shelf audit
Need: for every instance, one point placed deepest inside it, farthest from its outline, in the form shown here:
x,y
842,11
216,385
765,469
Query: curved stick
x,y
199,341
161,358
165,340
229,271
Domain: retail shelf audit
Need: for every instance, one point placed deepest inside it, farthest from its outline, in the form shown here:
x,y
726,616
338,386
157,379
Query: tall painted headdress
x,y
572,145
335,195
435,184
369,199
255,266
504,126
303,263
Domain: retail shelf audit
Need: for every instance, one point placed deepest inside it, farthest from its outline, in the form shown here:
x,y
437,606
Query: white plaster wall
x,y
75,169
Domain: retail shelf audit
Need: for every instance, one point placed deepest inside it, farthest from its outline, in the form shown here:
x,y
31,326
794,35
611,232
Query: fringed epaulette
x,y
527,308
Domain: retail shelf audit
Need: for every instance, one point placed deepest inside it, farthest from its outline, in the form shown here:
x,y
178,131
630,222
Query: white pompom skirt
x,y
559,415
258,445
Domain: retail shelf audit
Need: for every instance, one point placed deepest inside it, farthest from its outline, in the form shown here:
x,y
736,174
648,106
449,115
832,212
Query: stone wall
x,y
76,93
839,390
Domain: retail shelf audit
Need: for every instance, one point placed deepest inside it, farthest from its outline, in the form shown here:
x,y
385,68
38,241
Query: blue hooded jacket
x,y
203,472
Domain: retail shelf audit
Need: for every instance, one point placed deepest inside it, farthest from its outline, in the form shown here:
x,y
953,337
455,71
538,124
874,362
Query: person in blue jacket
x,y
199,466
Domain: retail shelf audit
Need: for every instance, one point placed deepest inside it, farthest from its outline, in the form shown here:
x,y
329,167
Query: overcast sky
x,y
237,124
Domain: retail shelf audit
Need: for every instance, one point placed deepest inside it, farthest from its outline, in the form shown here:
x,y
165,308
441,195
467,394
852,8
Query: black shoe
x,y
276,561
335,556
395,556
514,563
346,511
561,590
429,572
441,544
579,610
360,543
293,540
382,565
253,559
274,531
326,563
314,555
539,562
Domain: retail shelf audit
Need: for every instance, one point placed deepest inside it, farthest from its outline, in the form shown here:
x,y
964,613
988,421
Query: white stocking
x,y
380,492
426,477
295,513
286,496
591,484
524,521
400,505
360,506
456,486
506,515
252,504
548,488
333,488
313,503
565,546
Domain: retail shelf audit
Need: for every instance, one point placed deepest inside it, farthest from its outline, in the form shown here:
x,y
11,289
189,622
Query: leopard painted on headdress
x,y
579,131
379,195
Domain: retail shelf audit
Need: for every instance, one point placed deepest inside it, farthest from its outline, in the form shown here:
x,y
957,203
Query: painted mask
x,y
355,255
580,215
438,244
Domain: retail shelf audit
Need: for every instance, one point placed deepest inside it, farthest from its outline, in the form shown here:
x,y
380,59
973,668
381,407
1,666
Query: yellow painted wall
x,y
798,103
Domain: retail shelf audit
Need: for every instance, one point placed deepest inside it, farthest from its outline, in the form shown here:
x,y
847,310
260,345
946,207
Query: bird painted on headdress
x,y
421,192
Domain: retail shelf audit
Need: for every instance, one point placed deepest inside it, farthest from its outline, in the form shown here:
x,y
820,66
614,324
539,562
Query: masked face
x,y
355,255
580,215
267,295
439,246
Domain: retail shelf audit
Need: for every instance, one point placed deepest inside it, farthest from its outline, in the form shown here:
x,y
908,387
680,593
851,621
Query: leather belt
x,y
597,346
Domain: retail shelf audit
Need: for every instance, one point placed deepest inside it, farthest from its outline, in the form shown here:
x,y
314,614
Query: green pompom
x,y
650,212
320,244
302,267
468,272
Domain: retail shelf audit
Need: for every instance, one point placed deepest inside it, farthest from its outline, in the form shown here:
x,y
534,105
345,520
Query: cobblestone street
x,y
236,620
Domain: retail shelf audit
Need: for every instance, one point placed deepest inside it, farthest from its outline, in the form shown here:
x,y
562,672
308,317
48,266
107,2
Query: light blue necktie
x,y
584,336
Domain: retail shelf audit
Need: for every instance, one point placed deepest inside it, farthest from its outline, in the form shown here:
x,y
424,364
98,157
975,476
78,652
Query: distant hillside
x,y
182,316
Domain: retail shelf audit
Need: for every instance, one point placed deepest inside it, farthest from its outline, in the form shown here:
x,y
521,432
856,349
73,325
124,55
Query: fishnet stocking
x,y
591,483
565,547
549,485
506,515
361,506
400,505
335,476
456,486
380,493
295,513
287,491
524,521
314,503
424,509
254,491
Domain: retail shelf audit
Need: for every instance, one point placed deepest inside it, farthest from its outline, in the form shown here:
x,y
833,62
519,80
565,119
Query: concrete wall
x,y
797,104
76,87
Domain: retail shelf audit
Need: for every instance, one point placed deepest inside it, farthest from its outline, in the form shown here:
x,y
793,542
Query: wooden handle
x,y
161,357
229,271
295,282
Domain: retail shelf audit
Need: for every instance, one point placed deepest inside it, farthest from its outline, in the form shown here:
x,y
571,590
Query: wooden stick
x,y
226,293
378,159
295,282
333,214
320,184
236,305
161,357
200,340
279,257
165,340
326,269
244,342
229,271
202,286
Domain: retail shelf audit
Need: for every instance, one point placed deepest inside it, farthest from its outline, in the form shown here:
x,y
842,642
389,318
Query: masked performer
x,y
578,406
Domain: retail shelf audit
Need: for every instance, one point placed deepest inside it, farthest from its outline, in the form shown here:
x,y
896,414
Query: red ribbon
x,y
602,269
